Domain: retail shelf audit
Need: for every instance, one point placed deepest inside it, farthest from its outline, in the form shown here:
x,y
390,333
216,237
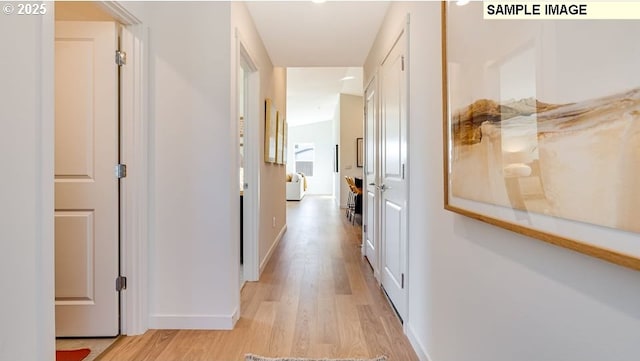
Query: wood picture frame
x,y
336,159
359,152
270,129
531,142
285,143
280,139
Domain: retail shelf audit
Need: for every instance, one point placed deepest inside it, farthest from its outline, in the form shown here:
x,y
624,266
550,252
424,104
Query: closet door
x,y
86,187
372,205
393,186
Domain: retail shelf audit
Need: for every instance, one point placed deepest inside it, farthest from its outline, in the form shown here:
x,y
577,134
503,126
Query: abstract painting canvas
x,y
270,124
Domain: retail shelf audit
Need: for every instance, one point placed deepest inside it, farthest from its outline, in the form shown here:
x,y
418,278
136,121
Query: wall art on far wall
x,y
280,139
285,142
270,124
336,160
542,129
359,152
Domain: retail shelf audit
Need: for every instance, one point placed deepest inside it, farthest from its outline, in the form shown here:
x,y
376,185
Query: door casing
x,y
244,60
134,132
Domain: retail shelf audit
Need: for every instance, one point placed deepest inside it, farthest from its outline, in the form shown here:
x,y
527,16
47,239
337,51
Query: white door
x,y
393,187
86,188
370,181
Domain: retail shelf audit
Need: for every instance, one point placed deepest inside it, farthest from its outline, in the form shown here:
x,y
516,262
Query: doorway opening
x,y
248,95
97,107
87,192
324,108
325,112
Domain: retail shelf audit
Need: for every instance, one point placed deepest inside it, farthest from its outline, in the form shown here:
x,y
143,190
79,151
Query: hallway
x,y
316,298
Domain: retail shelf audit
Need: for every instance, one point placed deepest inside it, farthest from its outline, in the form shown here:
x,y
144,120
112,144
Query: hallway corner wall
x,y
478,292
273,82
351,127
337,181
27,323
191,242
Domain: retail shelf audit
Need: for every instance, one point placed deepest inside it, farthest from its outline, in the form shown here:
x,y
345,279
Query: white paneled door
x,y
370,176
86,188
393,184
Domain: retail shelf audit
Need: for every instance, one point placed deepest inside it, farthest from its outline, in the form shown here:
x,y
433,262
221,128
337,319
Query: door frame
x,y
244,59
134,131
133,152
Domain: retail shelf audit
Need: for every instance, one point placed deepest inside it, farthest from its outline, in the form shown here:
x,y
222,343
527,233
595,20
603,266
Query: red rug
x,y
72,355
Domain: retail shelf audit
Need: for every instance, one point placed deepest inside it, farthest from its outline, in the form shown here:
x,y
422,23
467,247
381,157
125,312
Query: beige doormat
x,y
261,358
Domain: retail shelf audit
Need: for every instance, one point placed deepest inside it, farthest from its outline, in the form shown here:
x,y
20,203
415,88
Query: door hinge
x,y
403,171
364,228
402,59
402,281
121,58
121,170
121,283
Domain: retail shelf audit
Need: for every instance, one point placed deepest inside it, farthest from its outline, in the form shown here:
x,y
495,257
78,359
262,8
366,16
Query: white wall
x,y
273,82
191,240
321,135
337,181
478,292
27,329
194,252
351,128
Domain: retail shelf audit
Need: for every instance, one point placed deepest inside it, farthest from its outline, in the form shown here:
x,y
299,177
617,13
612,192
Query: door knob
x,y
384,187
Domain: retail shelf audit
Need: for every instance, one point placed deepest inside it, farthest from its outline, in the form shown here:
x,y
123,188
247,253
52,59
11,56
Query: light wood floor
x,y
96,345
316,298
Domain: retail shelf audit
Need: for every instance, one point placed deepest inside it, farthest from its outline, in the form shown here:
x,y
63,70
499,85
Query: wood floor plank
x,y
258,339
341,278
141,348
282,333
352,341
317,297
375,335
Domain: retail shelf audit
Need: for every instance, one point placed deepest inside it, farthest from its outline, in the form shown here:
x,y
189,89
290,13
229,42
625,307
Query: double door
x,y
385,231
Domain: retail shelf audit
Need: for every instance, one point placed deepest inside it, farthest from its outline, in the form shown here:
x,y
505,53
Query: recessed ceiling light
x,y
348,78
319,1
462,2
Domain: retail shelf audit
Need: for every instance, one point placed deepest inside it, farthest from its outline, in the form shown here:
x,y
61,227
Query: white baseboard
x,y
235,316
193,322
266,259
418,347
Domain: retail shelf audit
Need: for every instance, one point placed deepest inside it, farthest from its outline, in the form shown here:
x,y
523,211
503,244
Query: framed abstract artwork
x,y
280,139
542,128
285,148
336,159
359,152
270,124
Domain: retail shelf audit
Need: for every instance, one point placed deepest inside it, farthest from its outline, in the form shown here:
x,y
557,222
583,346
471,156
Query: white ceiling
x,y
319,44
305,34
312,93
